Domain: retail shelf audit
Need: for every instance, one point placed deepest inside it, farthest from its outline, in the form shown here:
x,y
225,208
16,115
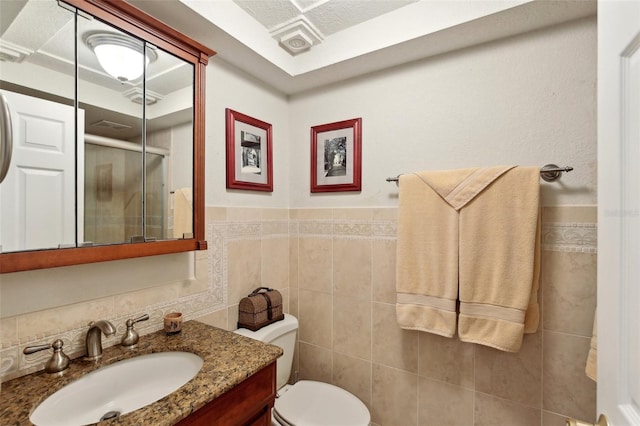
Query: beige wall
x,y
247,248
343,291
336,271
528,100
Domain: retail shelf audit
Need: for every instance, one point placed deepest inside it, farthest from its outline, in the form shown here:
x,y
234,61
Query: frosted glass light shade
x,y
121,62
120,56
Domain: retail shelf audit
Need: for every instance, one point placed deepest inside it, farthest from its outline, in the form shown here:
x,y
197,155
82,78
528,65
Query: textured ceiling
x,y
329,16
299,25
298,45
341,39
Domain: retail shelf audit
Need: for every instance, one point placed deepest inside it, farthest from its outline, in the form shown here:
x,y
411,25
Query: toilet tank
x,y
280,333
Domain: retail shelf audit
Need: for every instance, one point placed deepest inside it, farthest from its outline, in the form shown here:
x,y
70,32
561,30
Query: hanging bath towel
x,y
499,261
469,235
426,259
182,212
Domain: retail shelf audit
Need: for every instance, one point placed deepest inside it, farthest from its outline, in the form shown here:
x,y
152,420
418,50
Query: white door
x,y
38,196
619,211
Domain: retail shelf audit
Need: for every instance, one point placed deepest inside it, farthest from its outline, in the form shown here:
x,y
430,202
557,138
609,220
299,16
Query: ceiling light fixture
x,y
119,55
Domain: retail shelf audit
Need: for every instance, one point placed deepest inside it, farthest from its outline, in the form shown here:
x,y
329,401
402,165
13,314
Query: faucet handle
x,y
33,349
140,318
58,362
131,336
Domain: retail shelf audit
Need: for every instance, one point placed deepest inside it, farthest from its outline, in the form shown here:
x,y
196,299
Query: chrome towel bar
x,y
548,173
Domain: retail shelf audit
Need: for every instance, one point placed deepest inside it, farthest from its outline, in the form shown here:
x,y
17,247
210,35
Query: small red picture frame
x,y
336,156
249,153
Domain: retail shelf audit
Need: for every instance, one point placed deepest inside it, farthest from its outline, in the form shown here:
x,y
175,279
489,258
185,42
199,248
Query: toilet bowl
x,y
307,402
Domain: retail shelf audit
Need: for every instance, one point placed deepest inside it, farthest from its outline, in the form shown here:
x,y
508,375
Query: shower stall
x,y
113,200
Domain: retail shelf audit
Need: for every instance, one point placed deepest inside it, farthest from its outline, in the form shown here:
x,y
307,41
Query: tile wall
x,y
247,248
343,291
335,268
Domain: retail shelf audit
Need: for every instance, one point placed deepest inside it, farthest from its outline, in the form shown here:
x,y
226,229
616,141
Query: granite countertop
x,y
228,360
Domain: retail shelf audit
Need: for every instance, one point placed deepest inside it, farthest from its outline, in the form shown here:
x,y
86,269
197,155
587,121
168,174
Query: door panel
x,y
41,178
619,211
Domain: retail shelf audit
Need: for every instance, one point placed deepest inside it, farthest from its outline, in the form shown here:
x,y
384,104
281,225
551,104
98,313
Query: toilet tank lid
x,y
272,331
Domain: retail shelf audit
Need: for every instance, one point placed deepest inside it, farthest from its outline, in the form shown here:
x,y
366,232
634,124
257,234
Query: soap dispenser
x,y
131,337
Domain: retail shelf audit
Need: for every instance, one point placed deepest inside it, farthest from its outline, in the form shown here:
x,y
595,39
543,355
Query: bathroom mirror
x,y
106,158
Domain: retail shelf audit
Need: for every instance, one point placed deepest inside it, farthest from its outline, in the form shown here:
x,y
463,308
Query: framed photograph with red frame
x,y
336,156
249,152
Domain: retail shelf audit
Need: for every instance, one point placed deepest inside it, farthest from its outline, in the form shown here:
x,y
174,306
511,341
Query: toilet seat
x,y
309,403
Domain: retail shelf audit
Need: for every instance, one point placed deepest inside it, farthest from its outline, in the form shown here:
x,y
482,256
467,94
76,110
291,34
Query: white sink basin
x,y
116,389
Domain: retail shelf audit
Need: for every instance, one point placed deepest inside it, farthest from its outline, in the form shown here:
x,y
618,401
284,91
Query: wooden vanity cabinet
x,y
247,404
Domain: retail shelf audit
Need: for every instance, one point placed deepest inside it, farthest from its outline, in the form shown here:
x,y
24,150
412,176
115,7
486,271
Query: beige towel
x,y
499,261
592,359
450,235
427,245
426,259
182,212
532,316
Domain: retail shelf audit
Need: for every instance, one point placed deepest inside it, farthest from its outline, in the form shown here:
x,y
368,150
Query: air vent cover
x,y
110,125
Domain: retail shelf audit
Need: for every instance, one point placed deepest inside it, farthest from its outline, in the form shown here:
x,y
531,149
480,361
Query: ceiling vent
x,y
297,36
110,125
135,95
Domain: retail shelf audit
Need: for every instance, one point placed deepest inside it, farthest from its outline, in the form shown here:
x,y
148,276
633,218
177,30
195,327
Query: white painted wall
x,y
527,100
229,87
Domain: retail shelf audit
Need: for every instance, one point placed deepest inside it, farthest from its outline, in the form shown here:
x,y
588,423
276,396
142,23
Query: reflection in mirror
x,y
38,195
169,129
112,163
99,193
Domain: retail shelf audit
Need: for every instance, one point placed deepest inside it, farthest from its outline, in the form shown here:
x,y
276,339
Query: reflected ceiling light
x,y
119,55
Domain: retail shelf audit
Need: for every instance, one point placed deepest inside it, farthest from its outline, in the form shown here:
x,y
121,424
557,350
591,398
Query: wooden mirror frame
x,y
132,20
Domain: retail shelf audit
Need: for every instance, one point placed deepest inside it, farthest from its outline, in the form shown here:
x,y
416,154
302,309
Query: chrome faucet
x,y
131,336
58,362
94,338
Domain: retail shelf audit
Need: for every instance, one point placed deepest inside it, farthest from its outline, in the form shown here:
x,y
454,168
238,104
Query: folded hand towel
x,y
499,261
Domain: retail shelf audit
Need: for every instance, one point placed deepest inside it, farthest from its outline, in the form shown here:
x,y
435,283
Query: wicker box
x,y
262,307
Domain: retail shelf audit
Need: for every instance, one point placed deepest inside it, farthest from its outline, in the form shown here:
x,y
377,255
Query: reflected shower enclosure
x,y
113,201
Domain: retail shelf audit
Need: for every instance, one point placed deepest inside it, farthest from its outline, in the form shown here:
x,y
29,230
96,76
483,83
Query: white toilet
x,y
306,403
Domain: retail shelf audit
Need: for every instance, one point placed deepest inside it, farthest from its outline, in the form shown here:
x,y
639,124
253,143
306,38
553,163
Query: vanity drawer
x,y
249,403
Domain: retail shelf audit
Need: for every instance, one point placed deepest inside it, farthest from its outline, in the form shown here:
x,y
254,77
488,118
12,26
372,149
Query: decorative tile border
x,y
386,229
315,228
219,234
379,229
570,237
